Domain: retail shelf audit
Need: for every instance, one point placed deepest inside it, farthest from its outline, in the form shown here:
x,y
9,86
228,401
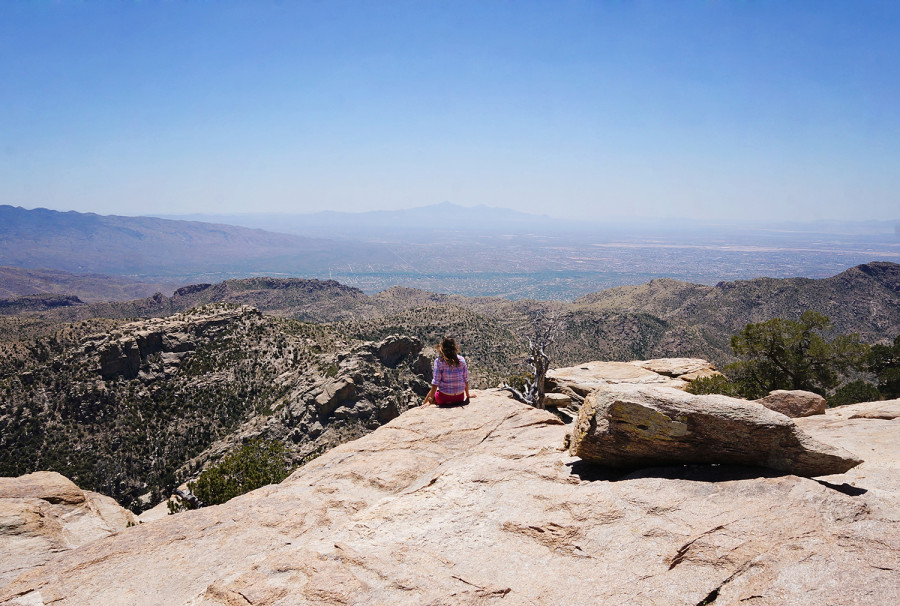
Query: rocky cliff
x,y
136,410
482,504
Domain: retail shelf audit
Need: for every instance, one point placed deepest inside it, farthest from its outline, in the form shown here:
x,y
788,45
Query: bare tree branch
x,y
542,334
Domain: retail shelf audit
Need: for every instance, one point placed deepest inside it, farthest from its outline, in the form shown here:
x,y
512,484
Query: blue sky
x,y
708,110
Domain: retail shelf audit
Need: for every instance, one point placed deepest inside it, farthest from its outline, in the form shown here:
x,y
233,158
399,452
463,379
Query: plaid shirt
x,y
450,379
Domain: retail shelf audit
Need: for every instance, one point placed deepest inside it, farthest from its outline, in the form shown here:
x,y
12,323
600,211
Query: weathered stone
x,y
579,381
887,415
871,429
556,400
794,403
44,485
333,394
43,513
679,368
477,505
120,358
124,353
423,366
587,377
396,348
642,427
344,412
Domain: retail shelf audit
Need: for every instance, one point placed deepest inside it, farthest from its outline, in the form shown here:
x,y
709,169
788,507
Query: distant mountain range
x,y
474,251
419,223
147,246
437,218
91,288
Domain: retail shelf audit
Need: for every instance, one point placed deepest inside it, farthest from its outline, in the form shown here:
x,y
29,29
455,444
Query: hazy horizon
x,y
702,111
246,218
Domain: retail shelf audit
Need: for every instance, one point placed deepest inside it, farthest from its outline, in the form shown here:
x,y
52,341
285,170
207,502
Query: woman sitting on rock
x,y
449,376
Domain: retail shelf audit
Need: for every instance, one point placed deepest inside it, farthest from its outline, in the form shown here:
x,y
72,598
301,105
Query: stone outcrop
x,y
631,427
685,369
126,352
38,302
43,513
794,403
364,387
479,505
869,429
667,372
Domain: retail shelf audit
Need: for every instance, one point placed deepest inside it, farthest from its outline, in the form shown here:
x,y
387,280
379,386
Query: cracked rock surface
x,y
481,505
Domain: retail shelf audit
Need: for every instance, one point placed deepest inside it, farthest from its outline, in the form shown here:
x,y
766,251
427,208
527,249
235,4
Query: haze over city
x,y
696,110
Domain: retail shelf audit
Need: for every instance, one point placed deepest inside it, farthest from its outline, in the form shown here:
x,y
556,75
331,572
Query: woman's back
x,y
450,378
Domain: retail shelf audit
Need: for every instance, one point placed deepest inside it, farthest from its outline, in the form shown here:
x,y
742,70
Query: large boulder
x,y
642,427
44,485
397,348
44,513
794,403
669,372
479,505
587,377
686,369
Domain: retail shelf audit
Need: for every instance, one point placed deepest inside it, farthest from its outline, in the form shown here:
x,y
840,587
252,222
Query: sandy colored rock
x,y
478,505
679,368
871,430
646,426
43,513
794,403
668,372
556,400
45,485
587,377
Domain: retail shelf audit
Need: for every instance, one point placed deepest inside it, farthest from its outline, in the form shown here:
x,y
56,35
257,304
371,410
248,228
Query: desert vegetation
x,y
786,354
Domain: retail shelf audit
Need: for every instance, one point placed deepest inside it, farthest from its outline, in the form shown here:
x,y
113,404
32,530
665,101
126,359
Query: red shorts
x,y
442,398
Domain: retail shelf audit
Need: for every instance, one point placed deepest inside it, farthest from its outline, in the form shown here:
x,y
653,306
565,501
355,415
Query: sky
x,y
787,110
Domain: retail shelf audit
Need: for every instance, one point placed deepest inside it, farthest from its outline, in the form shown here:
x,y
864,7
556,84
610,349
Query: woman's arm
x,y
466,375
430,396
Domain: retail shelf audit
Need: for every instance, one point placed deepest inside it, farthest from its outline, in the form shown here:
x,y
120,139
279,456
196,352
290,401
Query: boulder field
x,y
482,504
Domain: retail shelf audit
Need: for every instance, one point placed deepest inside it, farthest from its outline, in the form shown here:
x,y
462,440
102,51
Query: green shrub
x,y
257,463
783,354
884,361
520,381
853,392
714,384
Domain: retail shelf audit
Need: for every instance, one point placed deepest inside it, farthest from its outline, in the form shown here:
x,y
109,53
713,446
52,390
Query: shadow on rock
x,y
847,489
591,472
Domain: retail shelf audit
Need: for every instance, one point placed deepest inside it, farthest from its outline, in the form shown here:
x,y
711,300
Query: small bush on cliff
x,y
714,384
884,361
783,354
255,464
853,392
